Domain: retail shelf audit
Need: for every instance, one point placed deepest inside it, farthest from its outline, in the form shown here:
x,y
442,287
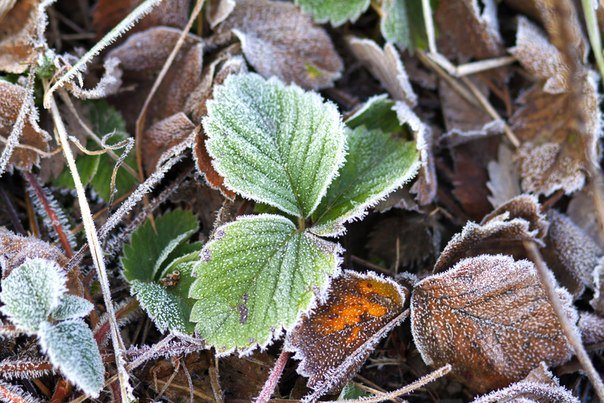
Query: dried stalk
x,y
574,339
95,251
273,377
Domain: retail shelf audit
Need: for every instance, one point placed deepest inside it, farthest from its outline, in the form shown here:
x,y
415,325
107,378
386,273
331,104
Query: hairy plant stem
x,y
52,214
95,251
549,286
424,380
273,378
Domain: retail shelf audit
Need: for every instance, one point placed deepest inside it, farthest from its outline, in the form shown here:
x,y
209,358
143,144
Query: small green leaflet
x,y
376,113
96,170
376,165
158,264
274,144
72,307
31,292
71,347
402,23
337,12
257,276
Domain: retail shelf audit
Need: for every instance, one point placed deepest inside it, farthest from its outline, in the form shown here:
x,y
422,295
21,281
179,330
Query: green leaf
x,y
256,277
96,170
273,143
71,347
403,24
376,113
147,244
72,307
352,391
376,164
335,11
31,292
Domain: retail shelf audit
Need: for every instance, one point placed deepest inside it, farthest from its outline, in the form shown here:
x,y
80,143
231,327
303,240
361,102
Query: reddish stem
x,y
273,378
52,215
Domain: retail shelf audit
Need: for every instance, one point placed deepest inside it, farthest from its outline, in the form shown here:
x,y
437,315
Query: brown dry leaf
x,y
539,386
504,179
581,211
108,13
279,40
17,32
466,32
218,10
559,132
597,302
591,327
203,162
11,98
488,317
16,249
571,254
338,336
386,66
142,56
242,377
502,231
162,136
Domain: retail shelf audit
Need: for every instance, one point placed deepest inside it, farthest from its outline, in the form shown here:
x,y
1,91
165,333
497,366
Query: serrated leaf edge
x,y
334,22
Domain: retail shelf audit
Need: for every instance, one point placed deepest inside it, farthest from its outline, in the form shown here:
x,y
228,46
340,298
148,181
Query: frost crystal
x,y
31,292
273,143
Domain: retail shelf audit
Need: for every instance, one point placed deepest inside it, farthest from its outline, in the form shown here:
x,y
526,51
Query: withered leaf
x,y
466,32
17,30
203,162
108,13
11,98
504,179
162,136
490,319
386,66
337,337
502,231
571,254
591,327
218,10
278,40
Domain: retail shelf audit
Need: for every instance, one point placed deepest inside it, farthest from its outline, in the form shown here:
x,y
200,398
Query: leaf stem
x,y
273,378
301,224
95,250
593,32
547,281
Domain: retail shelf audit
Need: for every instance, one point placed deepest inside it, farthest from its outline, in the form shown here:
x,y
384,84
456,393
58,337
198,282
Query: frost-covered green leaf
x,y
71,347
273,143
72,307
257,276
402,23
148,245
169,306
337,12
96,170
376,113
31,292
376,164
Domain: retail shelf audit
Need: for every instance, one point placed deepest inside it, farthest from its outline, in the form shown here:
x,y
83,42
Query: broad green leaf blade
x,y
335,11
147,244
376,165
257,277
31,292
71,347
169,305
376,113
273,143
72,307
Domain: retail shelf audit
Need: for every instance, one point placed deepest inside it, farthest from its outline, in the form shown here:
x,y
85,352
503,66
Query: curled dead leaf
x,y
489,317
337,337
279,40
11,98
17,32
162,136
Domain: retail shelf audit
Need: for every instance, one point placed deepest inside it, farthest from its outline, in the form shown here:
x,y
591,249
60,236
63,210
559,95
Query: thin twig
x,y
429,24
424,380
95,251
273,378
549,286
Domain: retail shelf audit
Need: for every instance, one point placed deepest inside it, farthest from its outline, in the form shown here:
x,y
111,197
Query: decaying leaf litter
x,y
234,200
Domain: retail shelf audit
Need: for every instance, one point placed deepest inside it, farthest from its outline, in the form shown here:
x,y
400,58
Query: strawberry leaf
x,y
273,143
257,277
335,11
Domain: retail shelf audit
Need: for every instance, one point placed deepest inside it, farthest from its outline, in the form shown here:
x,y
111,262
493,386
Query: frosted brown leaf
x,y
162,136
278,40
490,319
17,30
